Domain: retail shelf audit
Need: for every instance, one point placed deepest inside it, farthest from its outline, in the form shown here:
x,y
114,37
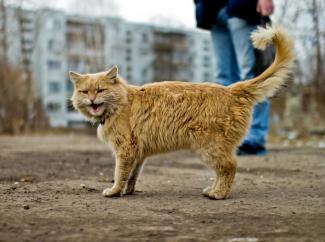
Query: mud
x,y
50,190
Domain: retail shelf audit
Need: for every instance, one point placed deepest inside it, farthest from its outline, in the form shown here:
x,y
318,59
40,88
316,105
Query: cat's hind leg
x,y
130,186
225,166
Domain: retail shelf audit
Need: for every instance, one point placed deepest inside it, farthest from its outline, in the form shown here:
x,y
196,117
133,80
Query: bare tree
x,y
20,109
318,80
319,70
3,30
305,19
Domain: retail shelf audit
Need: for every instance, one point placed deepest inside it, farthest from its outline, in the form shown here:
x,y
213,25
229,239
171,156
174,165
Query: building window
x,y
51,45
206,61
144,72
128,39
69,86
53,107
128,55
206,77
54,46
53,65
54,87
145,38
75,63
129,69
70,107
206,45
53,24
128,58
144,51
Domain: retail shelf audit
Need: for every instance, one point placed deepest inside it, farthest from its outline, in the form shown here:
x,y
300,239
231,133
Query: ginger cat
x,y
206,118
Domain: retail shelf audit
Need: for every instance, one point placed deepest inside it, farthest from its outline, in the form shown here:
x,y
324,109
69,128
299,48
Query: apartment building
x,y
55,42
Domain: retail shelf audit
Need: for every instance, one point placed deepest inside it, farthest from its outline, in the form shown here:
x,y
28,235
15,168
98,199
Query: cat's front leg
x,y
123,167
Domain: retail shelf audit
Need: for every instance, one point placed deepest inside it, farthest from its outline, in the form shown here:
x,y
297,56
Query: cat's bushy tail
x,y
267,83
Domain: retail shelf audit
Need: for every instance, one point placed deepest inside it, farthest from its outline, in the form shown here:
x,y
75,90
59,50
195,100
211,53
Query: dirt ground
x,y
51,191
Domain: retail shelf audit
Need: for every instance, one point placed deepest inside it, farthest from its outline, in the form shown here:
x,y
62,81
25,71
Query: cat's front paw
x,y
109,192
210,193
217,195
206,191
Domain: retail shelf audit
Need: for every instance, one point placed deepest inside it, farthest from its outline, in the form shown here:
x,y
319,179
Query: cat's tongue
x,y
95,107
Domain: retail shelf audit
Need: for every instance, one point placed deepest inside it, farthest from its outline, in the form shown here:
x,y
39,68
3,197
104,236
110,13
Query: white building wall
x,y
114,43
13,53
51,67
203,57
139,55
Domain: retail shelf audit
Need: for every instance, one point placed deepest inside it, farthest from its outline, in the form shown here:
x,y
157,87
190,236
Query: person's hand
x,y
265,7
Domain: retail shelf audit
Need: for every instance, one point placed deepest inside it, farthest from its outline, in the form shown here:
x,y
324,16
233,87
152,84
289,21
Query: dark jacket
x,y
206,11
245,9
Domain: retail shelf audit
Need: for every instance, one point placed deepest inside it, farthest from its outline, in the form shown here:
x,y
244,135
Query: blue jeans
x,y
235,60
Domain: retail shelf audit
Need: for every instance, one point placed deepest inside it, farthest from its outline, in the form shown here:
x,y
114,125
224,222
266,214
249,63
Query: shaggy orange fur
x,y
207,118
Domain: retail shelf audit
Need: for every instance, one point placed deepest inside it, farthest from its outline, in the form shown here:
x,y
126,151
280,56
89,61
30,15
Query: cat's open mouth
x,y
96,107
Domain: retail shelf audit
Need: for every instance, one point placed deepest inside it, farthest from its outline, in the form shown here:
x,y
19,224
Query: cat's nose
x,y
92,98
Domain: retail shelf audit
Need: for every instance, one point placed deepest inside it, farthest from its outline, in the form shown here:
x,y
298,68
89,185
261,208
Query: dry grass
x,y
20,110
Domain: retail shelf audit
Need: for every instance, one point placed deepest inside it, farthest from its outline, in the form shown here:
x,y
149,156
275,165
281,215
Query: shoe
x,y
251,148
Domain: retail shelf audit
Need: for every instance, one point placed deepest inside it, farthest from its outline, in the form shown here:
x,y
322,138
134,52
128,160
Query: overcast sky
x,y
144,10
180,12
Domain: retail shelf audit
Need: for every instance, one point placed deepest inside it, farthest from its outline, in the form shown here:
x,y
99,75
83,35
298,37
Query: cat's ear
x,y
75,77
112,74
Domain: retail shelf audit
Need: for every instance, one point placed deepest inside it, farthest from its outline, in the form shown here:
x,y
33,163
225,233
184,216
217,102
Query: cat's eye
x,y
100,90
84,91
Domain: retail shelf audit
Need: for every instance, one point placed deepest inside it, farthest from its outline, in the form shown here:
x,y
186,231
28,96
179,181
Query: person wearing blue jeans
x,y
231,25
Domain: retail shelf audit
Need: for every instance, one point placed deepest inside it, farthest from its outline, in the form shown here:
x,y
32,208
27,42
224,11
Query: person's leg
x,y
260,124
226,65
240,32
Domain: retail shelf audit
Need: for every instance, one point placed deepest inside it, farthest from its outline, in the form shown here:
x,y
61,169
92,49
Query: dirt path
x,y
50,190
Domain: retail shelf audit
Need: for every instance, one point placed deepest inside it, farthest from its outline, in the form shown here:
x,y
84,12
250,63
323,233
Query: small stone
x,y
321,145
16,183
82,185
26,206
